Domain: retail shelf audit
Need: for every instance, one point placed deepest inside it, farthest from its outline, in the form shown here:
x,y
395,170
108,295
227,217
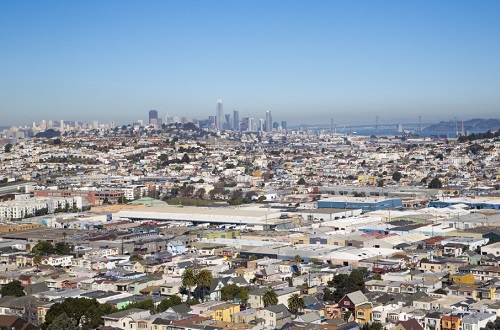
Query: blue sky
x,y
306,61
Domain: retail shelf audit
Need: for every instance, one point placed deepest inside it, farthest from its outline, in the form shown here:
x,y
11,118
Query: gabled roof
x,y
279,309
357,297
410,324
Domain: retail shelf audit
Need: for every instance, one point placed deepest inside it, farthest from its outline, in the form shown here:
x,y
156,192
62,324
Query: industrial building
x,y
366,204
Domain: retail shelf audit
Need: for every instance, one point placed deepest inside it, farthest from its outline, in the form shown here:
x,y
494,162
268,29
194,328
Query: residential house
x,y
451,322
411,324
222,312
255,296
275,316
245,316
309,318
16,323
379,313
477,321
462,279
363,313
125,319
352,300
171,288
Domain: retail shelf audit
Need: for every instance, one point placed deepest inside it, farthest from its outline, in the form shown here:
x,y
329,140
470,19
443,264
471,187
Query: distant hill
x,y
476,124
49,134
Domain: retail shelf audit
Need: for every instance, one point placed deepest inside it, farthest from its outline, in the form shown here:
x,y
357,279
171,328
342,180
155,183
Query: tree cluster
x,y
345,284
83,313
234,292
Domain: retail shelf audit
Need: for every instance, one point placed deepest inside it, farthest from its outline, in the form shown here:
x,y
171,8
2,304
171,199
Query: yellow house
x,y
364,313
222,312
462,279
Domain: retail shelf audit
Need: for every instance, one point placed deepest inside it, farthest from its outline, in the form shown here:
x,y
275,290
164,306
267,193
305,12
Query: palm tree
x,y
188,280
295,303
298,259
204,280
270,297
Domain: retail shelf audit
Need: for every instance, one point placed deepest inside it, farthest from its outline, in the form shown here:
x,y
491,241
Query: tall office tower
x,y
269,121
283,124
262,125
112,124
61,125
219,116
251,125
153,117
236,120
43,125
167,119
50,124
95,124
227,121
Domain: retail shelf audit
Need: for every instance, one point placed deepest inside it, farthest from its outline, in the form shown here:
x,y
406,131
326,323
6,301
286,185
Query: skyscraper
x,y
236,120
269,121
153,117
219,116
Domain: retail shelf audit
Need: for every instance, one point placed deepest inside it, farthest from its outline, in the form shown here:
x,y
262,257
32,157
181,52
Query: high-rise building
x,y
219,116
269,121
283,124
228,122
236,120
153,117
251,124
262,125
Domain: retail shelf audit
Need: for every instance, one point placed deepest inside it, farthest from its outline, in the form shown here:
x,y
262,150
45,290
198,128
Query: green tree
x,y
297,259
135,257
435,184
188,281
397,176
203,281
63,322
253,257
169,302
270,297
13,288
328,295
43,248
372,326
232,291
87,313
62,248
345,284
301,181
142,304
8,148
295,303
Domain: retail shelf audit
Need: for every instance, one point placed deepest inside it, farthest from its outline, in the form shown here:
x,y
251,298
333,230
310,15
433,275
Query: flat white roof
x,y
214,215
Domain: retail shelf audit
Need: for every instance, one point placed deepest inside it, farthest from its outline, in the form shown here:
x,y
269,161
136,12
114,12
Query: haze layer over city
x,y
307,62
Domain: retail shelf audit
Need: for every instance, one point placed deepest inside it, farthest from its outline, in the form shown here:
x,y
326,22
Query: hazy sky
x,y
306,61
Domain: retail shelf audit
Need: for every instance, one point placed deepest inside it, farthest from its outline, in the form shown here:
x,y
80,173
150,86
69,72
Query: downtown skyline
x,y
305,62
